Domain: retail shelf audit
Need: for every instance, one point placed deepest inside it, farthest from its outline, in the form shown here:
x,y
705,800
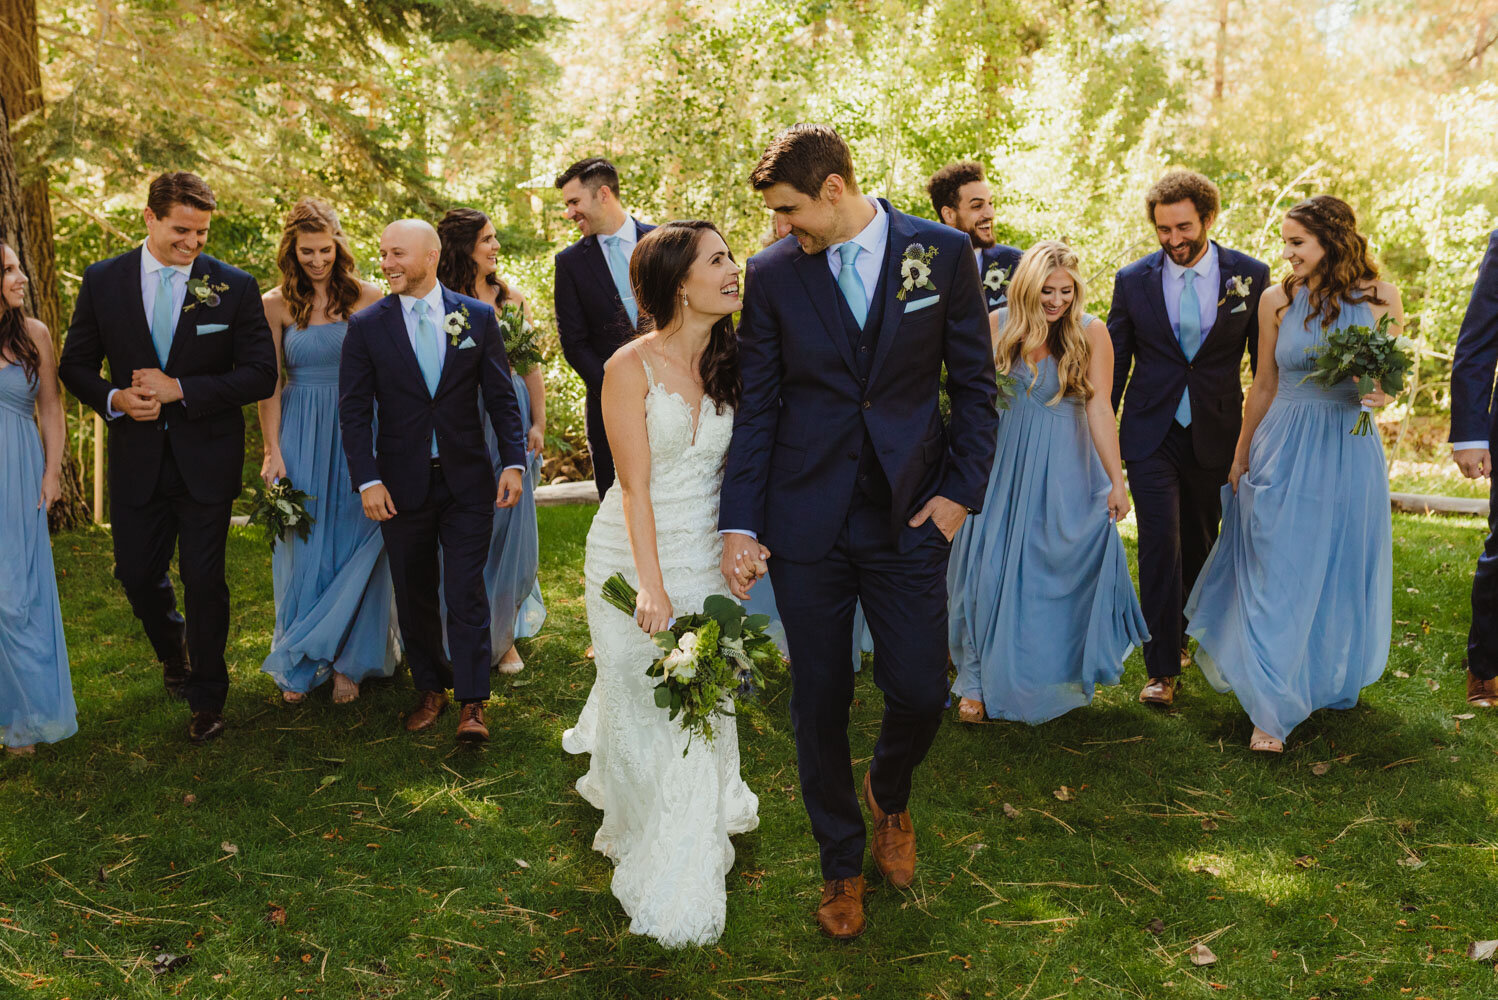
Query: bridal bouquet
x,y
709,660
1365,356
280,508
520,340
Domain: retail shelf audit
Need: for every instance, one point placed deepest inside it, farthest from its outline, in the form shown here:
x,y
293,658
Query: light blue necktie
x,y
1190,327
163,317
428,354
851,285
619,270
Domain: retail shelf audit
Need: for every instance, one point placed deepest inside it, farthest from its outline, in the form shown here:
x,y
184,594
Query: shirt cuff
x,y
509,467
1466,445
372,482
738,531
111,413
181,398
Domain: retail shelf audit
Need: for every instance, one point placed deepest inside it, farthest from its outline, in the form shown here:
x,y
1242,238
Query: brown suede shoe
x,y
1482,693
432,704
471,728
894,841
1160,691
841,914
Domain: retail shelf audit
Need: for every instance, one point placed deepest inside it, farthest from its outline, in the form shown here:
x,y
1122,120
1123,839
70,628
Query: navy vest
x,y
873,484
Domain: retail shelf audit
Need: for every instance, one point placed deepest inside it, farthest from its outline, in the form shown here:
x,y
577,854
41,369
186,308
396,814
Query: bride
x,y
668,399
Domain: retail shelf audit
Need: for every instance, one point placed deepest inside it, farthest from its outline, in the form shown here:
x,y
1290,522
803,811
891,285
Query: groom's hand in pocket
x,y
741,553
947,515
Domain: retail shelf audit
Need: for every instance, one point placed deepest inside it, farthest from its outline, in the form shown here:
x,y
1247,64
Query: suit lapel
x,y
134,301
187,319
395,328
816,278
592,250
900,235
450,350
1154,293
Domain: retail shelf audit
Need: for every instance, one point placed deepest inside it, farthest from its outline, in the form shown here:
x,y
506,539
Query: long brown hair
x,y
1346,266
1026,329
312,215
15,340
456,269
657,269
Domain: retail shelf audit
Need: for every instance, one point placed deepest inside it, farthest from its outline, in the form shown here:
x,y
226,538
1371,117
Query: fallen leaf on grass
x,y
229,848
1432,683
1464,716
1403,675
1200,954
522,864
1212,870
1305,861
1064,794
1411,861
1321,767
1482,951
1208,823
1010,811
167,962
189,799
276,915
1156,926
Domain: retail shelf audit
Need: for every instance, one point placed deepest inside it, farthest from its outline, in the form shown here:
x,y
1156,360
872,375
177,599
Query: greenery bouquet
x,y
280,508
1369,357
708,660
520,340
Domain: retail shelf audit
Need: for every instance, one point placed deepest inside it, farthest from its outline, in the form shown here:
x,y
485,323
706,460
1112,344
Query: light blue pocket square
x,y
1242,307
211,328
930,300
467,342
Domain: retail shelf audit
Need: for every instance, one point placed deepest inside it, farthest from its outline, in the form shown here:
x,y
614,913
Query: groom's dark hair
x,y
804,156
179,188
595,172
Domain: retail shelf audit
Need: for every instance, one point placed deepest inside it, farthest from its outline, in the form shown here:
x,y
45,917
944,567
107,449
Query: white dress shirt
x,y
435,312
150,281
628,236
1207,284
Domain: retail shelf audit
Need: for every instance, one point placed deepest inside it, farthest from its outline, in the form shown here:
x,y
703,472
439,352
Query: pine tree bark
x,y
26,215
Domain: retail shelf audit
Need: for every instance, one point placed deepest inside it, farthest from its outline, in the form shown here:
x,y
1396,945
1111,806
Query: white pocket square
x,y
211,328
1242,307
929,300
467,342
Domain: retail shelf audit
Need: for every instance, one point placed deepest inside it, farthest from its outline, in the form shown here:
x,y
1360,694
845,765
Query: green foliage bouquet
x,y
280,508
1369,357
520,340
709,660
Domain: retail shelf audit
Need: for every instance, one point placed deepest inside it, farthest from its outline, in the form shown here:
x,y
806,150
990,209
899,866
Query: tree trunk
x,y
26,216
1219,71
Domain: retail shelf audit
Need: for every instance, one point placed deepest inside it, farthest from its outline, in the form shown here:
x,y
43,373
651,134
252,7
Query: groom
x,y
840,465
425,355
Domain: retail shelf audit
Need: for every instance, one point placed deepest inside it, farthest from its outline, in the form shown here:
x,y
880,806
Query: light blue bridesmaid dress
x,y
1293,607
36,690
1041,606
334,597
762,602
511,576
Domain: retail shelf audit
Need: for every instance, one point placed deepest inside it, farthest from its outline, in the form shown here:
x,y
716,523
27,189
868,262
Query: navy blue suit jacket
x,y
591,321
1006,259
1144,339
1472,413
378,369
792,466
222,355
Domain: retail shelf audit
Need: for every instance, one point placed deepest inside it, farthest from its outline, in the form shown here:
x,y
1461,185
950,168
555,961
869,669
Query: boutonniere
x,y
915,269
454,323
1238,287
996,278
205,292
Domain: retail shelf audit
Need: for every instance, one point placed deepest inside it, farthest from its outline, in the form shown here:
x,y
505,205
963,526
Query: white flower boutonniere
x,y
1239,286
454,323
996,278
915,269
204,292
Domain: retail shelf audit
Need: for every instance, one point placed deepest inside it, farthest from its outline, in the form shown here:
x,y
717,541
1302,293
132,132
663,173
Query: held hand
x,y
510,487
377,503
535,440
138,404
1474,462
1236,471
653,610
741,556
1118,503
51,490
947,515
163,385
273,468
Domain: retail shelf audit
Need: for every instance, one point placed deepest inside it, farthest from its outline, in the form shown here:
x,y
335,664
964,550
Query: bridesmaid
x,y
1042,606
333,590
469,265
1293,608
36,690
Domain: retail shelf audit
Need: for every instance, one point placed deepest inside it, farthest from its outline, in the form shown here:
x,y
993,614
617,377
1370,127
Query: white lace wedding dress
x,y
666,818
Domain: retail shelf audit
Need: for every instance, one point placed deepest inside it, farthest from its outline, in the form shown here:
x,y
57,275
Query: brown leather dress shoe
x,y
205,726
471,728
175,673
1482,693
1160,691
894,841
432,704
841,914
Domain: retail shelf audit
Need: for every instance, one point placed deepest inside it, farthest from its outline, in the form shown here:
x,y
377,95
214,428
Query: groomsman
x,y
596,311
187,345
963,200
1182,318
1472,429
422,355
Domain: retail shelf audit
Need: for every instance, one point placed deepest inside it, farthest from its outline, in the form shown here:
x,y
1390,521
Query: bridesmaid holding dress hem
x,y
36,689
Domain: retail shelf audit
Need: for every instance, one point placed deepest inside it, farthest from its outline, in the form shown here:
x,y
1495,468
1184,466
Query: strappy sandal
x,y
345,689
1264,743
971,710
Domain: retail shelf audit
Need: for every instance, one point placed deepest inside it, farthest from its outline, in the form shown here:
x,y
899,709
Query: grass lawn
x,y
320,851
